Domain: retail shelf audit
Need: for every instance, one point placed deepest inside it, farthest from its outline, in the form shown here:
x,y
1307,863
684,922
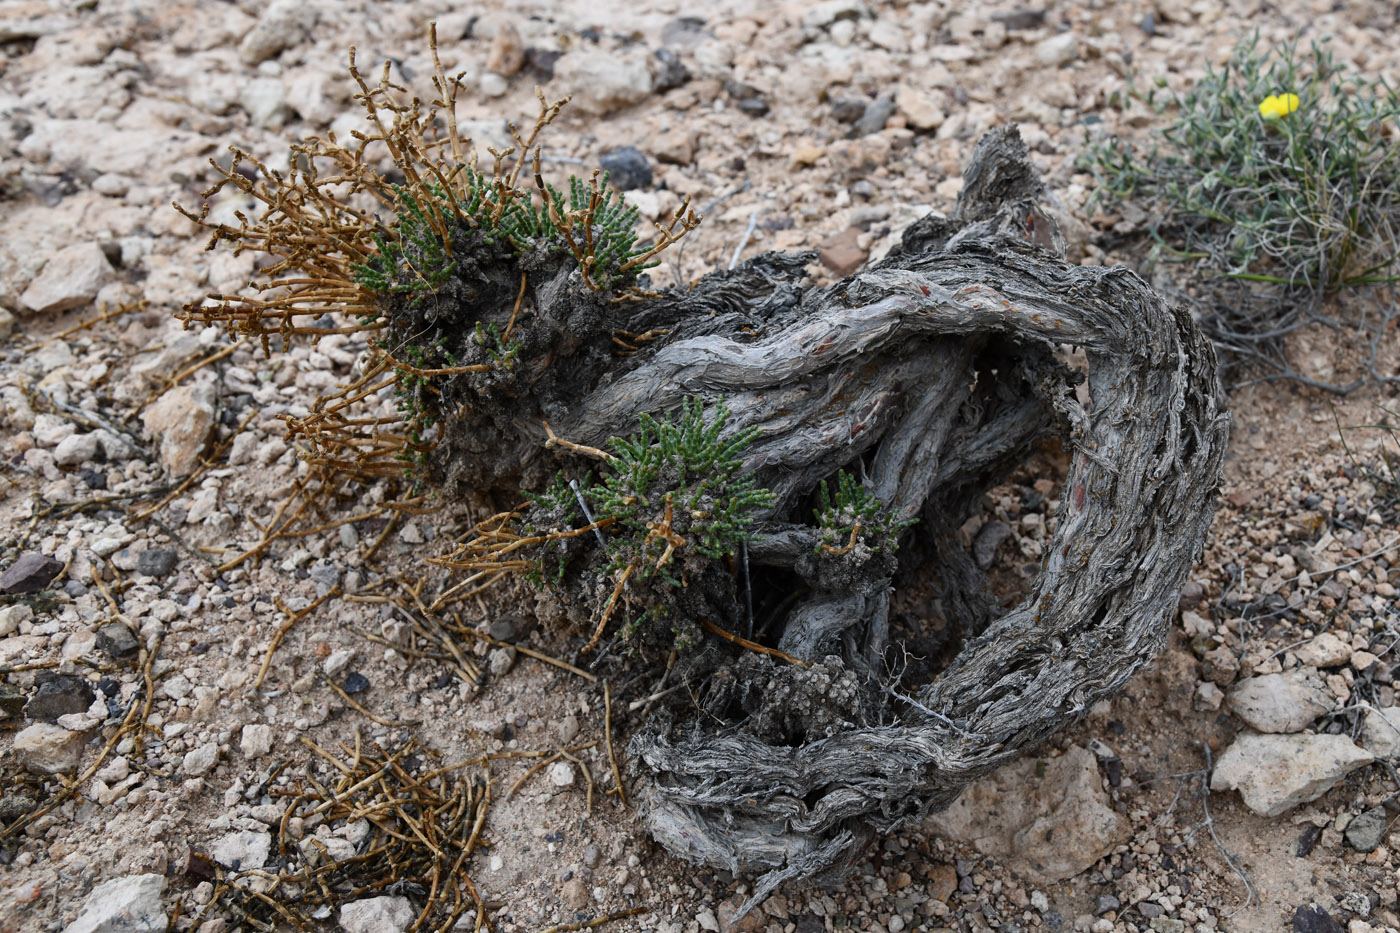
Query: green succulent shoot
x,y
851,515
685,469
674,498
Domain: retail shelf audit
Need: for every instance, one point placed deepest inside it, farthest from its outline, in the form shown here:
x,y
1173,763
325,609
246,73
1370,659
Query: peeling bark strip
x,y
938,367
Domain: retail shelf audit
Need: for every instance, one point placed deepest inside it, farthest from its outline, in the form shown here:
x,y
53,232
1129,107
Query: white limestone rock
x,y
71,277
1281,703
1275,773
123,905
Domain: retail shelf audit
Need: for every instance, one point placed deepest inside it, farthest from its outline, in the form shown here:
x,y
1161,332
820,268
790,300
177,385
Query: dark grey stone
x,y
872,120
505,629
984,546
59,695
541,61
1313,919
325,574
117,641
156,562
754,106
15,805
1018,20
30,574
1365,832
1106,903
627,168
670,72
11,702
847,109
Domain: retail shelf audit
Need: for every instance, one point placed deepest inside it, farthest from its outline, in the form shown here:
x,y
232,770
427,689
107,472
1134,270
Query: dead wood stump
x,y
513,344
936,370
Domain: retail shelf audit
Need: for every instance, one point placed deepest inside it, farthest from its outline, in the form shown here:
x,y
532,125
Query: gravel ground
x,y
1242,784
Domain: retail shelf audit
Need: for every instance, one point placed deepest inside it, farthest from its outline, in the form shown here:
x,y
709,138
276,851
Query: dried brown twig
x,y
426,822
607,736
425,825
134,721
594,923
292,619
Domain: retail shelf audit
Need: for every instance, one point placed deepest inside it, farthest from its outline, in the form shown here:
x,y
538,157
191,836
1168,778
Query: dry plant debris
x,y
421,825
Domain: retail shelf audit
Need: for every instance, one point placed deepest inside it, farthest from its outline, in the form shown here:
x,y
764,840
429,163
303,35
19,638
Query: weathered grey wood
x,y
932,376
901,340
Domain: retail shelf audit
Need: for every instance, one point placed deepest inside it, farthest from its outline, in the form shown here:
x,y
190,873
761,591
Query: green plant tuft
x,y
685,467
412,258
594,224
488,337
1308,199
854,514
673,503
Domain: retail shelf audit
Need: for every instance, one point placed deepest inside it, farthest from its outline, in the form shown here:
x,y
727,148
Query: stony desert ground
x,y
1243,783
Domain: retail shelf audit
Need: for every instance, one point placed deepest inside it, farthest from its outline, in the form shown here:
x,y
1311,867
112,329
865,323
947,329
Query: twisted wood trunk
x,y
931,376
938,369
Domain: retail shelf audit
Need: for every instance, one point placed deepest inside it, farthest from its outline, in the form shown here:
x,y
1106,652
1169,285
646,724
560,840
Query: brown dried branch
x,y
710,627
426,823
667,236
292,619
607,736
609,607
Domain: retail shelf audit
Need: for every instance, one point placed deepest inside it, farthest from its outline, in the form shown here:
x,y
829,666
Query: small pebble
x,y
156,562
627,168
29,574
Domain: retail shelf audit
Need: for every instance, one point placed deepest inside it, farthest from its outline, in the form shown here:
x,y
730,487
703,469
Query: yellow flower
x,y
1278,105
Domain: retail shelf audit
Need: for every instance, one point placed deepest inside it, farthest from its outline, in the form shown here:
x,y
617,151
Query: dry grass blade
x,y
219,453
459,628
709,626
607,736
594,923
107,314
275,528
358,707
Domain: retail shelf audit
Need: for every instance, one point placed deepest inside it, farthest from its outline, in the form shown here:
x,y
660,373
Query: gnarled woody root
x,y
929,378
938,367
